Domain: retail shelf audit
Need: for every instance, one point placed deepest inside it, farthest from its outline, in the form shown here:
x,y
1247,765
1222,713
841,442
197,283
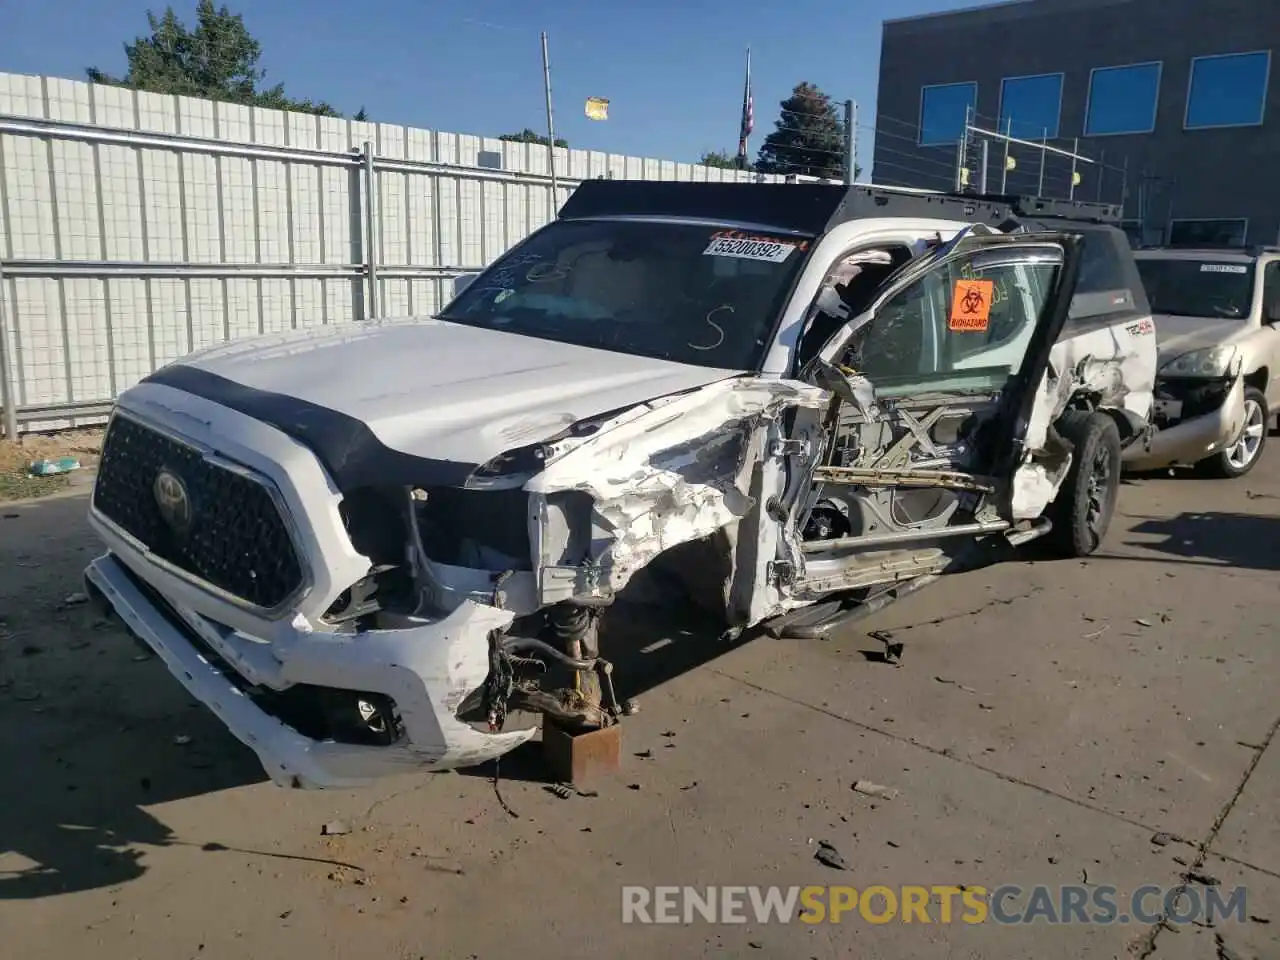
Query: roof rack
x,y
1027,206
814,208
1247,249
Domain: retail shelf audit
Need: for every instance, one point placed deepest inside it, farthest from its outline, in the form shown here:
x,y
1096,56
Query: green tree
x,y
529,136
721,158
217,60
362,114
808,139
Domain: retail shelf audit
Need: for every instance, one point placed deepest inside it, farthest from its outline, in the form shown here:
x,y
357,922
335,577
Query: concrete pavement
x,y
1047,720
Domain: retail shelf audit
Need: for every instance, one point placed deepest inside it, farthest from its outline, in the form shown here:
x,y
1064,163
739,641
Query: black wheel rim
x,y
1099,491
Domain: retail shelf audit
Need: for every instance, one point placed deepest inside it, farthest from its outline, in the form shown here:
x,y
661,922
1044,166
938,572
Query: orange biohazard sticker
x,y
971,306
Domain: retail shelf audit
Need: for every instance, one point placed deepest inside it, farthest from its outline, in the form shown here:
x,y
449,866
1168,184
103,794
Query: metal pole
x,y
850,124
370,234
1044,141
8,390
1075,148
962,148
983,179
1102,172
1124,188
1004,172
554,205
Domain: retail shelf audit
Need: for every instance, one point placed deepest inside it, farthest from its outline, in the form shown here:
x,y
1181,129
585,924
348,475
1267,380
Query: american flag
x,y
748,116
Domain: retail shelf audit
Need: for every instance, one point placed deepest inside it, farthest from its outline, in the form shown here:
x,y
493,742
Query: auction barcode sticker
x,y
1223,268
746,247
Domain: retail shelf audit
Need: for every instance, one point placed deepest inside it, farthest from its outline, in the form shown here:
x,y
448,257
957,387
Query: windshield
x,y
1198,288
692,293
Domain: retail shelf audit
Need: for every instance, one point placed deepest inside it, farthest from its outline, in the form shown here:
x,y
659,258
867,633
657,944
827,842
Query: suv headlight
x,y
1210,363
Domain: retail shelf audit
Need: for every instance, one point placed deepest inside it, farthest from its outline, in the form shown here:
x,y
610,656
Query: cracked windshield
x,y
692,293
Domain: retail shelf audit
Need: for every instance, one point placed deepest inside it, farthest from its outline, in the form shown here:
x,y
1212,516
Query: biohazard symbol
x,y
971,306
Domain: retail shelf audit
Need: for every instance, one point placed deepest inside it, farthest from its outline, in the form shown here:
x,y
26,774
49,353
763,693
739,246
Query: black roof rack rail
x,y
1248,249
813,208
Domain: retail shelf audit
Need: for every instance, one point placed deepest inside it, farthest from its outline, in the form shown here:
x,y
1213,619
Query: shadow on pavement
x,y
1247,541
91,734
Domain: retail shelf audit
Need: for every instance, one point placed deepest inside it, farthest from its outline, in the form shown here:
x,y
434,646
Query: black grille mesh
x,y
236,540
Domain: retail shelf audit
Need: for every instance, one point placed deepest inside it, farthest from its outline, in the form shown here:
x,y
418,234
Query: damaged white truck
x,y
361,545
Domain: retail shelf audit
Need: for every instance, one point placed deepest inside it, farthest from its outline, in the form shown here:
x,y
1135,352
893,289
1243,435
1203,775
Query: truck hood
x,y
1178,335
446,396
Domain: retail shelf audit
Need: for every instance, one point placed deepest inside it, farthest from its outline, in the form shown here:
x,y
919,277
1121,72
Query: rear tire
x,y
1082,511
1246,450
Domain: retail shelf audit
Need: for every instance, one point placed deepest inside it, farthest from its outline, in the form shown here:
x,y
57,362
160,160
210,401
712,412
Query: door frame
x,y
1018,396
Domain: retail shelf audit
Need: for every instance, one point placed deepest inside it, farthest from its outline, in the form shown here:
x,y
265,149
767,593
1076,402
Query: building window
x,y
1228,90
943,111
1122,100
1208,233
1030,106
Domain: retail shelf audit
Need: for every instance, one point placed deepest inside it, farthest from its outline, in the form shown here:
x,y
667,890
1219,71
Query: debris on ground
x,y
956,683
892,648
559,790
21,475
1225,952
182,740
869,789
52,468
335,828
829,856
75,599
1097,633
1142,623
645,754
1163,839
1200,877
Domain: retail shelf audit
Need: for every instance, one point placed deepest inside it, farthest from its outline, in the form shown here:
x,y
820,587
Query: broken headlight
x,y
1210,363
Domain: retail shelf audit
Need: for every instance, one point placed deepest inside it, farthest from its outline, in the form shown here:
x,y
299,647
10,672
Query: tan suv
x,y
1217,317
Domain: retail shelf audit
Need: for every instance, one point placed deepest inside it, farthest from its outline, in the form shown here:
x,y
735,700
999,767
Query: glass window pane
x,y
1271,293
943,110
912,343
1228,91
1207,233
1198,288
1123,100
1029,106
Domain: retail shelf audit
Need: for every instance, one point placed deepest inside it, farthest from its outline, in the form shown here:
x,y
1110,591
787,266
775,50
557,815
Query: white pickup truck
x,y
351,542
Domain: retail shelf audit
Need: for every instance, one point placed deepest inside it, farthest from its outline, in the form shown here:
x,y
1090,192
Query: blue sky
x,y
672,69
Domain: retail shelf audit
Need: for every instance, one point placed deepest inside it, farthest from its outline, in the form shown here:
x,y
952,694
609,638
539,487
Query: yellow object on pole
x,y
1010,163
597,108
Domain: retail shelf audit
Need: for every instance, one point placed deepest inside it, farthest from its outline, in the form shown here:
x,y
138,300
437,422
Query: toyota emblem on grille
x,y
173,500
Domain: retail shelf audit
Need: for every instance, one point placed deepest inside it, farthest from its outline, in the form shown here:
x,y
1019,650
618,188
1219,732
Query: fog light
x,y
370,719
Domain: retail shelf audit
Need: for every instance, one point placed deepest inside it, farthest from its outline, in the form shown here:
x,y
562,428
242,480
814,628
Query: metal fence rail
x,y
135,228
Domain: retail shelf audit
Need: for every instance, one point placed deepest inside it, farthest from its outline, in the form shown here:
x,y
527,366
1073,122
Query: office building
x,y
1169,106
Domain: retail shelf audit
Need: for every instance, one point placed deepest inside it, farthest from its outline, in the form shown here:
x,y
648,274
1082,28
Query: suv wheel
x,y
1246,450
1082,510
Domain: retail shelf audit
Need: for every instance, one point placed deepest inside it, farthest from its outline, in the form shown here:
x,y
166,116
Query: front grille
x,y
231,537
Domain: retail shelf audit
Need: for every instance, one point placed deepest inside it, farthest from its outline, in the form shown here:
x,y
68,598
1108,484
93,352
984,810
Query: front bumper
x,y
427,669
1187,442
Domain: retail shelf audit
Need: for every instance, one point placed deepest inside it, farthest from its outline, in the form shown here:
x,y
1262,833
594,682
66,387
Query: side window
x,y
971,317
1271,292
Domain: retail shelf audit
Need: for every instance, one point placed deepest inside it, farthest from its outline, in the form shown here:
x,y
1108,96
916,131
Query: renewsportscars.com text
x,y
936,904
